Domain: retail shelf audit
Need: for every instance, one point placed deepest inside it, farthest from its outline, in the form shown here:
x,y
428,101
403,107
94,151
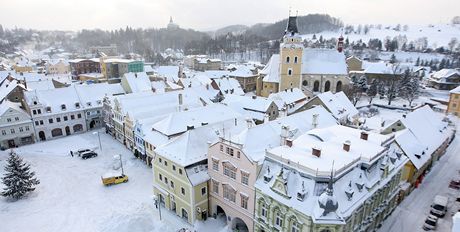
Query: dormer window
x,y
48,109
268,176
35,102
63,107
302,192
88,103
99,102
77,105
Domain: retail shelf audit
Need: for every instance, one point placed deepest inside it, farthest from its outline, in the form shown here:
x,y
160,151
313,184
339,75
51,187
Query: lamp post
x,y
99,137
157,204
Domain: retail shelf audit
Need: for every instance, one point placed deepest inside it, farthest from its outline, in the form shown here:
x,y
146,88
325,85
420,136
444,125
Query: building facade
x,y
15,126
83,66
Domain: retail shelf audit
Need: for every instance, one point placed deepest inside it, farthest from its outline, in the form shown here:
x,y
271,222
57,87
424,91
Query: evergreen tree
x,y
393,59
442,65
18,178
362,83
372,90
417,63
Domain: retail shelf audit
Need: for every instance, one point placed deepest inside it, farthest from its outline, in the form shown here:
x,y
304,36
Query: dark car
x,y
89,154
81,151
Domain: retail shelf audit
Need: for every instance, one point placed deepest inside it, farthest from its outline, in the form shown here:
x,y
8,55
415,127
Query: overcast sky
x,y
212,14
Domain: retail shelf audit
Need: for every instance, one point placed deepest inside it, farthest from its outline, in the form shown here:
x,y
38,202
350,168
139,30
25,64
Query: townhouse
x,y
258,108
235,161
15,125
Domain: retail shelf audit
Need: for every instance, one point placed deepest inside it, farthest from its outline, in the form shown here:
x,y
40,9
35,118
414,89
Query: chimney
x,y
284,134
204,123
404,116
190,127
254,97
315,120
180,99
316,151
364,135
346,145
249,122
289,142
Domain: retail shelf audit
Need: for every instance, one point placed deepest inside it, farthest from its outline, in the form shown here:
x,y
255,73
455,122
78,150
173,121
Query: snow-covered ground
x,y
437,35
412,212
71,196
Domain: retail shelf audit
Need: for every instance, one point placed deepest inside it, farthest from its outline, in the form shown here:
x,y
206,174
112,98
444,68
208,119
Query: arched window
x,y
295,226
327,86
305,83
278,219
290,72
288,59
295,60
338,87
316,86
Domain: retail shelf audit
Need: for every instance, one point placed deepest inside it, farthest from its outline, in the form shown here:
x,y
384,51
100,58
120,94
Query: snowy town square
x,y
229,116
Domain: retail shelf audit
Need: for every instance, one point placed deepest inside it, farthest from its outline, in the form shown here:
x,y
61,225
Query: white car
x,y
430,222
81,151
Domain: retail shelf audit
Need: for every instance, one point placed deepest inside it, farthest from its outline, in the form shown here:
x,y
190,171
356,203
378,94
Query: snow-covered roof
x,y
293,99
178,122
229,86
456,90
303,172
197,174
8,105
216,74
170,72
91,95
138,82
338,104
40,85
445,73
253,103
192,146
381,68
242,71
323,61
272,69
269,134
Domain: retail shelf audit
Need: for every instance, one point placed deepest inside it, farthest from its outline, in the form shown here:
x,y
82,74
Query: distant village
x,y
313,140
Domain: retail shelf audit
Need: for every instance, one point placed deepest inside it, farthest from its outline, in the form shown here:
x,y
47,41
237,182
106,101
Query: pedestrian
x,y
71,153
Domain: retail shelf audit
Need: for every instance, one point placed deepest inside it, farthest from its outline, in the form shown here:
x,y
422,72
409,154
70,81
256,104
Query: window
x,y
12,131
290,72
174,167
182,190
244,178
295,59
21,129
215,165
166,180
77,105
8,119
229,193
72,117
36,123
34,112
63,107
263,210
221,148
238,154
39,111
27,128
3,132
203,191
41,122
65,118
278,220
288,59
161,177
172,184
166,163
48,109
244,201
159,160
215,187
58,119
229,151
454,105
16,118
180,171
229,171
295,227
50,120
79,115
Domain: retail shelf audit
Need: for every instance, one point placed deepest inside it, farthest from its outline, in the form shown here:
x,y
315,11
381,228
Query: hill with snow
x,y
438,35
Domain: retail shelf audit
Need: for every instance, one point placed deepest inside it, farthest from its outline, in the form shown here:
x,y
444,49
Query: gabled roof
x,y
324,61
138,82
272,69
445,73
338,104
229,86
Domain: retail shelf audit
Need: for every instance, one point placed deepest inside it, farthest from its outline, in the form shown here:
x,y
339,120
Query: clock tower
x,y
291,50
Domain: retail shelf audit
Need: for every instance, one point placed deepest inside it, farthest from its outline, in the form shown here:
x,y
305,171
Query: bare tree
x,y
393,83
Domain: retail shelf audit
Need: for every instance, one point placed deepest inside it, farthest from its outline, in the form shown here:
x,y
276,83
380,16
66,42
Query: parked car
x,y
439,206
430,222
81,151
114,178
88,154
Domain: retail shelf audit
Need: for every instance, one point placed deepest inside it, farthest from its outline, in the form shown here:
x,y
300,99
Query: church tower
x,y
291,50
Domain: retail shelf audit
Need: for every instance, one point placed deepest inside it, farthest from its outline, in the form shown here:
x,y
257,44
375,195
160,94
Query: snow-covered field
x,y
438,35
71,196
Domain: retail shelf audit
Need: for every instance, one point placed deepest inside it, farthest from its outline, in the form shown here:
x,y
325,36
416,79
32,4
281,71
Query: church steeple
x,y
291,27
